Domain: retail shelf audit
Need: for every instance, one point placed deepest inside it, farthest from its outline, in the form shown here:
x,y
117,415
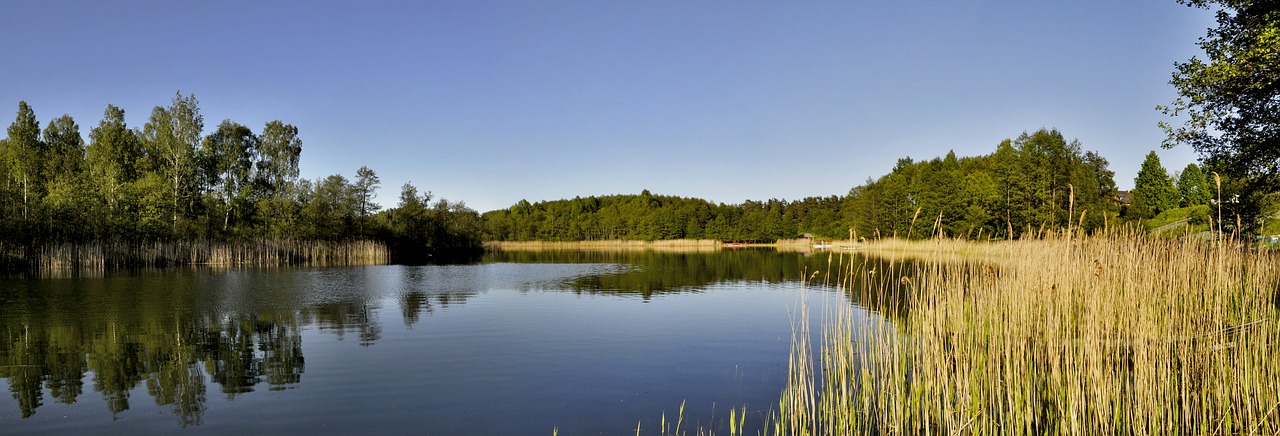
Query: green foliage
x,y
1193,186
65,148
416,228
1153,189
1199,215
653,217
366,183
1037,181
280,150
167,182
171,137
112,158
1178,218
1191,221
1229,102
25,155
226,160
332,208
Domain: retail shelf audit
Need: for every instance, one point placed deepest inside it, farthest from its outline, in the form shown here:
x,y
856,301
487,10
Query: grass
x,y
1112,334
737,423
1182,221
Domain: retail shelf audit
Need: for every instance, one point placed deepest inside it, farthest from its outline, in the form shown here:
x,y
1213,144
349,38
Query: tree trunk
x,y
25,185
226,216
174,229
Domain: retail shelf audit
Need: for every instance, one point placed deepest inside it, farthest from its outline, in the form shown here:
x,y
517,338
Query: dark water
x,y
517,344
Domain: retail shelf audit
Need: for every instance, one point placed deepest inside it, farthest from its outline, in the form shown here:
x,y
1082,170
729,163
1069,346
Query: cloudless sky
x,y
491,102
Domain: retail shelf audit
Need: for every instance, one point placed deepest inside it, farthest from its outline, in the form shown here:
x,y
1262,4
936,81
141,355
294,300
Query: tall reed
x,y
260,252
1111,334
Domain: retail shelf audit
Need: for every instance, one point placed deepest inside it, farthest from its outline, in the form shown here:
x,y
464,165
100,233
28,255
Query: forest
x,y
1035,182
168,181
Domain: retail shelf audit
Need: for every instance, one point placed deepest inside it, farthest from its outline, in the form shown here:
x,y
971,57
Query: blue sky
x,y
491,102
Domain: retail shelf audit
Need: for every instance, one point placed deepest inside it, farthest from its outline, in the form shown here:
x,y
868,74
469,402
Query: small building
x,y
1124,198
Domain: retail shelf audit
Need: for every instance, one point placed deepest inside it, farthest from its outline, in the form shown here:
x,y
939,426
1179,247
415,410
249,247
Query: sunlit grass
x,y
1114,334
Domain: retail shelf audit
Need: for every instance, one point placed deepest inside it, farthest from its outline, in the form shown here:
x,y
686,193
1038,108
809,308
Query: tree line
x,y
642,217
1035,182
1227,110
170,181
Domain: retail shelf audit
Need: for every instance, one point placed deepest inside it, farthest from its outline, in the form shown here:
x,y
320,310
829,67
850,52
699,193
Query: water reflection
x,y
167,333
655,273
172,333
171,357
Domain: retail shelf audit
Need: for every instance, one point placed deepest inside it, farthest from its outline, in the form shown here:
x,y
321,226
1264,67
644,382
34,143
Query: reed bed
x,y
265,252
1111,334
674,245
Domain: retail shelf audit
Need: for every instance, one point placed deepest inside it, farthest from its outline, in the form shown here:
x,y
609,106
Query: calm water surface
x,y
516,344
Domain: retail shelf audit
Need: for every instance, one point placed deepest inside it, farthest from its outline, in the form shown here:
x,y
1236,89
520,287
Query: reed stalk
x,y
1111,334
96,256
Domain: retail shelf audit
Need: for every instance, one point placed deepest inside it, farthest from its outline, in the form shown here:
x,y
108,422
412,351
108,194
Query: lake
x,y
514,343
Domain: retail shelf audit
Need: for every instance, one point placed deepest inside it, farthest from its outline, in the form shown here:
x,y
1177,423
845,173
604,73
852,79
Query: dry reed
x,y
1111,334
265,252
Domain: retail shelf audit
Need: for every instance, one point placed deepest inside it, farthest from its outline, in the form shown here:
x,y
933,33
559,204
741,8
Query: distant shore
x,y
896,248
686,245
673,245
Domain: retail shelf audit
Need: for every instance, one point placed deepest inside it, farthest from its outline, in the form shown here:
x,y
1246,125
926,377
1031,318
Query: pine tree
x,y
1153,189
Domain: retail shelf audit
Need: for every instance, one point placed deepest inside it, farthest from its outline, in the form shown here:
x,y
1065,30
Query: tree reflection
x,y
412,305
158,343
176,336
345,317
658,273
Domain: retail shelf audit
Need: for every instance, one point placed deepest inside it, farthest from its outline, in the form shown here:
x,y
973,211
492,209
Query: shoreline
x,y
675,245
887,248
672,245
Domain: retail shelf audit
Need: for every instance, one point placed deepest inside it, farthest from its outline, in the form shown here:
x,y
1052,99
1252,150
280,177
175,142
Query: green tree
x,y
1153,190
331,211
981,196
68,200
1010,180
1193,186
65,148
227,156
1050,164
112,159
171,137
25,155
1229,103
366,184
1096,191
279,149
409,219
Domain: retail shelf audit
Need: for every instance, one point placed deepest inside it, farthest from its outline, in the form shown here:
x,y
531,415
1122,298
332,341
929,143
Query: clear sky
x,y
491,102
